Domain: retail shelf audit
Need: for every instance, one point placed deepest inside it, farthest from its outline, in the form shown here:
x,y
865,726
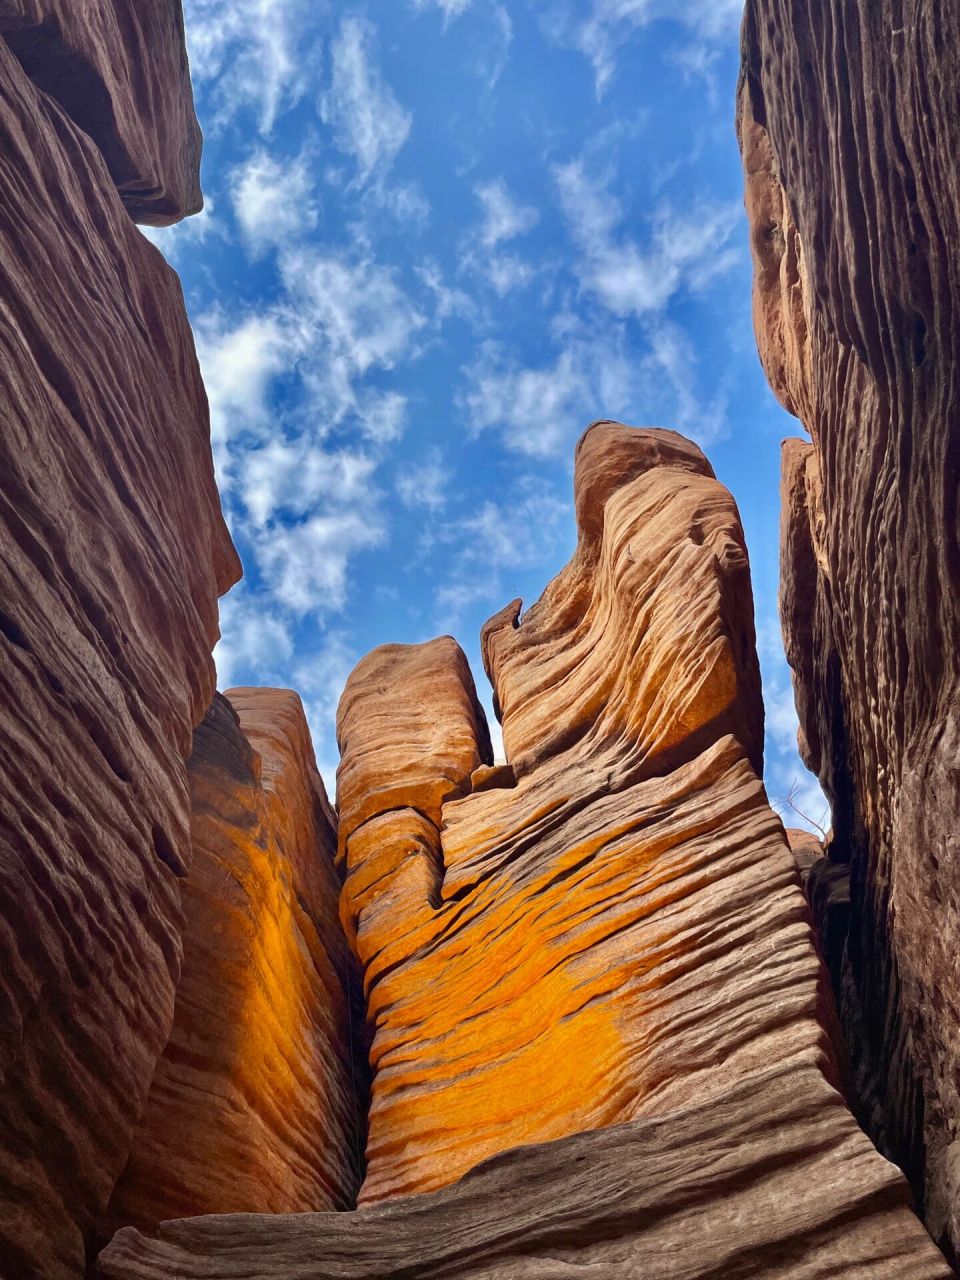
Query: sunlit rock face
x,y
851,139
614,929
119,70
112,554
255,1105
598,1021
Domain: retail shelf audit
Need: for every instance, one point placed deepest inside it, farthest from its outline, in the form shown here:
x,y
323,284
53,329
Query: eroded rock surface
x,y
611,927
112,554
601,948
851,140
769,1179
256,1102
119,70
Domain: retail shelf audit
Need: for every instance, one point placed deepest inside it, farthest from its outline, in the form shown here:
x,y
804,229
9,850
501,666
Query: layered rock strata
x,y
601,948
255,1105
850,137
119,69
769,1179
537,947
112,554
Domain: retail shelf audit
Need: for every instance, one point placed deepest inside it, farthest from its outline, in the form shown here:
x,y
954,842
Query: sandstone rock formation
x,y
112,554
601,947
850,137
770,1179
119,69
255,1103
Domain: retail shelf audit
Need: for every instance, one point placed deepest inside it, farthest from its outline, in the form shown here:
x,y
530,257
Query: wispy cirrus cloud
x,y
685,250
519,532
250,54
366,119
424,484
503,219
601,29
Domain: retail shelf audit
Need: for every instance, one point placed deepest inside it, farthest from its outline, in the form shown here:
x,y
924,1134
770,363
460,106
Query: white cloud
x,y
490,58
360,107
687,252
362,314
670,368
449,8
251,52
424,484
449,302
522,532
255,640
382,416
306,563
503,217
273,200
609,24
294,476
540,410
337,321
352,318
239,359
506,272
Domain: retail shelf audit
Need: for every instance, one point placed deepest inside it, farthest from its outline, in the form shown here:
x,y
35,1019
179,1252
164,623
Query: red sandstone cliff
x,y
851,136
112,554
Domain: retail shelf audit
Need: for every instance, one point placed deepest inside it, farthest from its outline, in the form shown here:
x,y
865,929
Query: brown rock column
x,y
112,554
849,127
256,1103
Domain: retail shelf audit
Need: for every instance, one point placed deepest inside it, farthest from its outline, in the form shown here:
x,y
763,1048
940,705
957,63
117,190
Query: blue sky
x,y
441,236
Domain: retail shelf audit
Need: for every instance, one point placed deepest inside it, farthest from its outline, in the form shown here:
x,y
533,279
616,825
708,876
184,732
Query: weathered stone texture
x,y
255,1105
112,554
601,948
770,1179
119,70
851,137
610,927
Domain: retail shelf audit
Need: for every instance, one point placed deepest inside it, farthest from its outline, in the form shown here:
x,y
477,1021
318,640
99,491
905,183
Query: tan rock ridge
x,y
113,551
851,141
598,1019
256,1102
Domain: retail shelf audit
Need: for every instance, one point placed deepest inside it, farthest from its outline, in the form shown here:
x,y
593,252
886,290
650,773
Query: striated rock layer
x,y
119,70
112,554
611,928
255,1103
771,1179
851,138
601,948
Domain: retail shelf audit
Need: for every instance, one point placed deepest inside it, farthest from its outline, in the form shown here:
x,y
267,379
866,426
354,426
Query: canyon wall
x,y
599,1029
256,1102
581,984
851,135
112,554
